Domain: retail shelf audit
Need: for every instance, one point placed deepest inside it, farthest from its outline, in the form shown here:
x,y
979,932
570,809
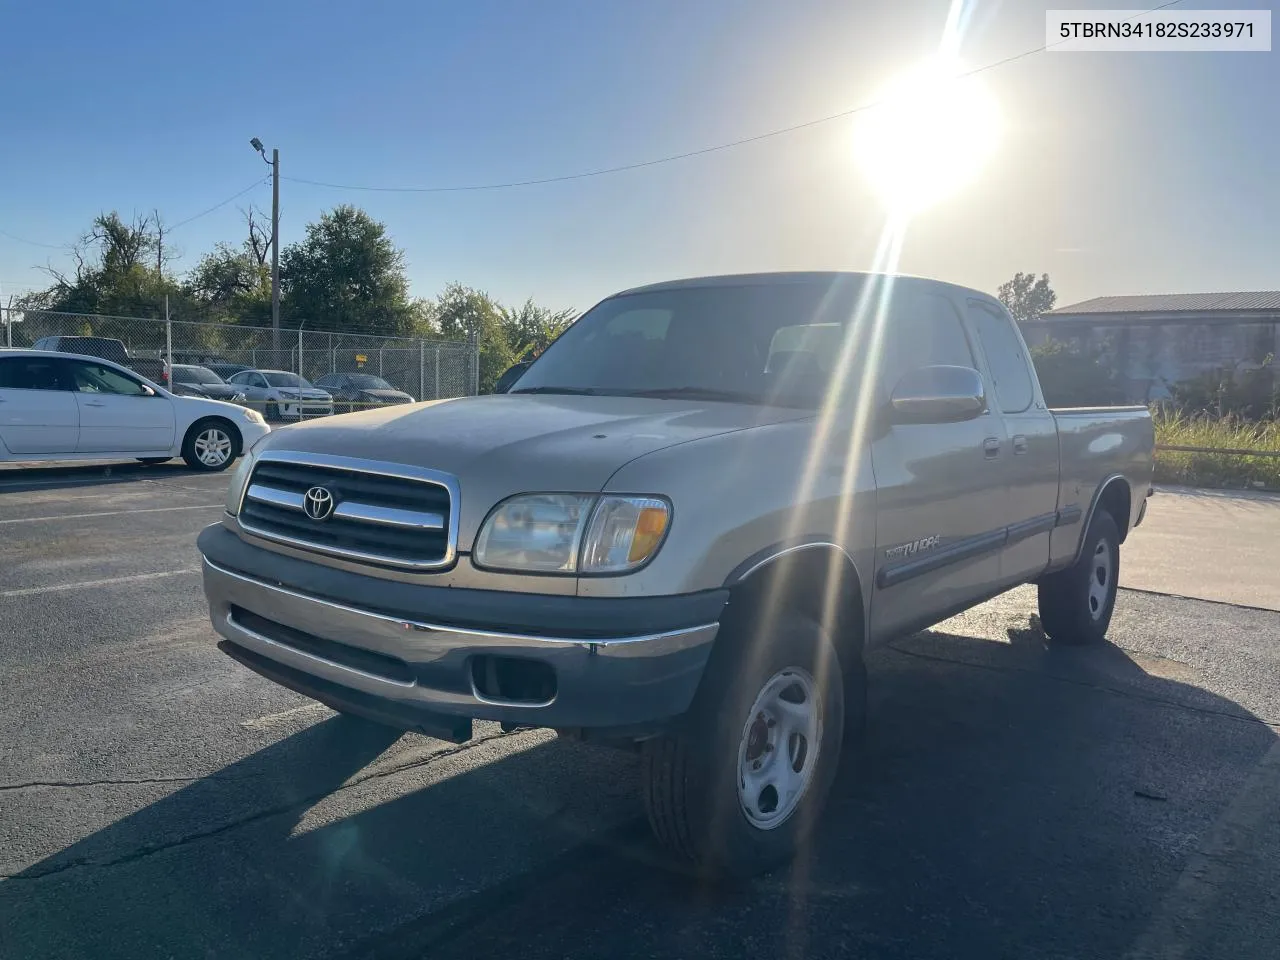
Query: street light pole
x,y
275,244
274,163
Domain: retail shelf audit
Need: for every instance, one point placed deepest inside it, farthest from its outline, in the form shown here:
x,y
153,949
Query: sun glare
x,y
928,136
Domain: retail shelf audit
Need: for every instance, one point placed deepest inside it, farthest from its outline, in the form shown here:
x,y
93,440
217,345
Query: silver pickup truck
x,y
680,530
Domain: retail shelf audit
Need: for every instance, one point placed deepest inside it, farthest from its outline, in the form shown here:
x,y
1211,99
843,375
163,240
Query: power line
x,y
217,206
34,243
605,171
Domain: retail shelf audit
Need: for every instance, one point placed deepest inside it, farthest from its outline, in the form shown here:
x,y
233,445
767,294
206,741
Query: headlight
x,y
238,397
570,533
253,416
623,533
239,480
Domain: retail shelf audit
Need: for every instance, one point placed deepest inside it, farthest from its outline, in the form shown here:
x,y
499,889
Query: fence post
x,y
422,369
333,357
475,366
8,327
167,372
435,388
380,349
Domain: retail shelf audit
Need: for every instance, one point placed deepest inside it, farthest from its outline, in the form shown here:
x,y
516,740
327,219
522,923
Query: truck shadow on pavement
x,y
1010,800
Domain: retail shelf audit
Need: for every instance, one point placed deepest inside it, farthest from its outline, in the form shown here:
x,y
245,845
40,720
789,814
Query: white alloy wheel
x,y
213,446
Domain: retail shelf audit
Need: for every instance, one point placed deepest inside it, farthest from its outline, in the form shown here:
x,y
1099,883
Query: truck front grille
x,y
388,514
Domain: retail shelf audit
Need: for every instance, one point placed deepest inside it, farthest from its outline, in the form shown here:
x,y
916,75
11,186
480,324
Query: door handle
x,y
93,403
1019,445
991,448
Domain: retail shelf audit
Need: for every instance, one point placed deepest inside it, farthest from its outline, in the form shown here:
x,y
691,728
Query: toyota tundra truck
x,y
680,530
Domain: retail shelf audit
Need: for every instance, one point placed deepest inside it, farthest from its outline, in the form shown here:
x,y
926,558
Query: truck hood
x,y
501,445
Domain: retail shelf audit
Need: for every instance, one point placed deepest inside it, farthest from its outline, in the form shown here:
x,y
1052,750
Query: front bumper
x,y
305,409
394,654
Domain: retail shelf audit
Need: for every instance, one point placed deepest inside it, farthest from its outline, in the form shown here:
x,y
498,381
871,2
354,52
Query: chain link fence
x,y
426,369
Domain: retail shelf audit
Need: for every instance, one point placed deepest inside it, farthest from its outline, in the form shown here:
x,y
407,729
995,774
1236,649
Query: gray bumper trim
x,y
627,680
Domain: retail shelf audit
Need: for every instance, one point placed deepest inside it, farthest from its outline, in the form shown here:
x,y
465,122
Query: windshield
x,y
756,343
366,381
196,375
279,379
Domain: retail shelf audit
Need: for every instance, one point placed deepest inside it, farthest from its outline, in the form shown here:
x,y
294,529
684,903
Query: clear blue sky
x,y
1116,173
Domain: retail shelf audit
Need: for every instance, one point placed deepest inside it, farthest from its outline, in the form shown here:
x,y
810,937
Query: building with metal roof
x,y
1153,341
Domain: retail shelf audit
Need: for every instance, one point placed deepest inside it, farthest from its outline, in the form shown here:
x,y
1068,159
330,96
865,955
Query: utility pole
x,y
274,163
275,246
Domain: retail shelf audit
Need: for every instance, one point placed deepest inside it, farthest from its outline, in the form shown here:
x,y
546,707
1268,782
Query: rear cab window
x,y
1006,360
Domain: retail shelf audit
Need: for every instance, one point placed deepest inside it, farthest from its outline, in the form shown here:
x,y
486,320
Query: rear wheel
x,y
738,789
1076,604
211,445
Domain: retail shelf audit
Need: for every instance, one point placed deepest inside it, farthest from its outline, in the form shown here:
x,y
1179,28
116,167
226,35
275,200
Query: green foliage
x,y
1073,379
1216,433
463,313
347,275
1248,394
532,328
231,285
1026,297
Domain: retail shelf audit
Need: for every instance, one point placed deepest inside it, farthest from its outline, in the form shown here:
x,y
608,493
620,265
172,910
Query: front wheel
x,y
211,445
1076,604
738,789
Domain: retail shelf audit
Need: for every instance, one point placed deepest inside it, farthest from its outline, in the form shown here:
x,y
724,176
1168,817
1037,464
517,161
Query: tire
x,y
698,782
1076,604
211,444
152,461
271,411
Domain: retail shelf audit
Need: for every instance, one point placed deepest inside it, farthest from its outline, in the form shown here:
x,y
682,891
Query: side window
x,y
98,378
31,373
1005,358
923,329
257,380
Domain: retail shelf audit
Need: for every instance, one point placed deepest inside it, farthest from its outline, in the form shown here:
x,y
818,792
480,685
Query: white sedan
x,y
62,406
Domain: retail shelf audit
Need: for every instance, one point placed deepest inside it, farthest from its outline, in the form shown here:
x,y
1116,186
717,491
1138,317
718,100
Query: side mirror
x,y
938,394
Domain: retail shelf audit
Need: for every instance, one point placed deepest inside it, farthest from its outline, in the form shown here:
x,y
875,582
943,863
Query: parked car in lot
x,y
226,369
58,406
358,391
282,395
682,529
108,348
194,381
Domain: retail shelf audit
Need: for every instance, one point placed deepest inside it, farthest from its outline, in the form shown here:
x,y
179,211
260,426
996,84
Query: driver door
x,y
119,414
939,486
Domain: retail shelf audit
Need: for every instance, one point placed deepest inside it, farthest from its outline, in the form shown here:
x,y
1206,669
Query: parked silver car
x,y
281,395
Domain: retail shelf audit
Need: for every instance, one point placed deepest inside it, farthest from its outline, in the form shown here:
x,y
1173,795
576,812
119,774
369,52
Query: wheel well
x,y
1116,499
237,439
820,582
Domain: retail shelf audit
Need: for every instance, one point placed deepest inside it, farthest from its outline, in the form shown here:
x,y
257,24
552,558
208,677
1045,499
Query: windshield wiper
x,y
697,393
569,391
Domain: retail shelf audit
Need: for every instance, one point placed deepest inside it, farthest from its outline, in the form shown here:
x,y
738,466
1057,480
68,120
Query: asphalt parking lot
x,y
158,800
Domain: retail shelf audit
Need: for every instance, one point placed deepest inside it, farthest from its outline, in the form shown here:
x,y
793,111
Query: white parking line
x,y
110,513
90,584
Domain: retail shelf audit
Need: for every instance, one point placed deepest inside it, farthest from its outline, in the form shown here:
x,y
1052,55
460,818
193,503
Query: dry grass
x,y
1216,469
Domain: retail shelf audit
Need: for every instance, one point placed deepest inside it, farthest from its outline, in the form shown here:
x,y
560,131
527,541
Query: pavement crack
x,y
108,782
1090,685
278,810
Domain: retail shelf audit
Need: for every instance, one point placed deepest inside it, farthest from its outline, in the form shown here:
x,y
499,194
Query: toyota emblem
x,y
317,503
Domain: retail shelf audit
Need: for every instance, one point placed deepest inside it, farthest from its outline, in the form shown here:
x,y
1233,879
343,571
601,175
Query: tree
x,y
232,284
1026,297
463,313
530,328
115,271
347,275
